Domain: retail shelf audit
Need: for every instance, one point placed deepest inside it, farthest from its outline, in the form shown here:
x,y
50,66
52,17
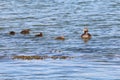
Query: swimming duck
x,y
25,31
39,35
12,33
86,35
60,38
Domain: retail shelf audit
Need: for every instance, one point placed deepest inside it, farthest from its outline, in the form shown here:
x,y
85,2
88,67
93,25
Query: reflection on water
x,y
32,58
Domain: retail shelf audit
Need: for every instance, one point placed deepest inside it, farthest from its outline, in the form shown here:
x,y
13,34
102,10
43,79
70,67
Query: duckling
x,y
39,35
12,33
86,35
25,31
60,38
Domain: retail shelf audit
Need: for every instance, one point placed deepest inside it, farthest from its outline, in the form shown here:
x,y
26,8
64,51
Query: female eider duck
x,y
11,33
25,31
86,36
60,38
39,35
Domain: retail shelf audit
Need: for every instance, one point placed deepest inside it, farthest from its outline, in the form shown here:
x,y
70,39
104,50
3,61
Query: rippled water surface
x,y
98,59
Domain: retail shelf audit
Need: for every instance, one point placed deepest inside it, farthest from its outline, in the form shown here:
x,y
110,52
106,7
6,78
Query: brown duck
x,y
39,35
25,31
11,33
86,36
60,38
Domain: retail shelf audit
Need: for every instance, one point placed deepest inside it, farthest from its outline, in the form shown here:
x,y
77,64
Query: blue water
x,y
98,59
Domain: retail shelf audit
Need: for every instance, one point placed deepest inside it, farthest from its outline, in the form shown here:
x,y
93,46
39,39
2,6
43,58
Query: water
x,y
98,59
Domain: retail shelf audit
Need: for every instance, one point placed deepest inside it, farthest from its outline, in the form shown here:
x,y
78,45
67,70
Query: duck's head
x,y
41,34
85,30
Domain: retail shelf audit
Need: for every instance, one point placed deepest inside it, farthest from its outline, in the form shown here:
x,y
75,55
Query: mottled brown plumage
x,y
39,35
86,36
12,33
60,38
25,31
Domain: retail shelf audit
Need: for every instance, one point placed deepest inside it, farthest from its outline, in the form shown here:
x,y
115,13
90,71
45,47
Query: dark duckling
x,y
60,38
86,36
39,35
25,31
12,33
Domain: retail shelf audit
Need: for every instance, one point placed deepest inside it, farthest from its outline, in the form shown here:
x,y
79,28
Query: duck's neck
x,y
86,32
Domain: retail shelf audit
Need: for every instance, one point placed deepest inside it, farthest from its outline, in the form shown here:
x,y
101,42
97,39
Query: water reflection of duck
x,y
39,35
25,31
12,33
86,36
60,38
